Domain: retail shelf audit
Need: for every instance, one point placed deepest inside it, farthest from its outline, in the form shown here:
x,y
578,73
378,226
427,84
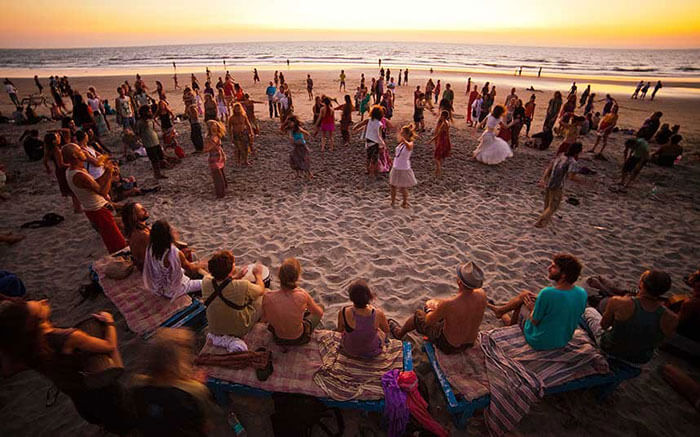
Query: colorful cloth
x,y
395,408
345,378
408,381
518,374
142,310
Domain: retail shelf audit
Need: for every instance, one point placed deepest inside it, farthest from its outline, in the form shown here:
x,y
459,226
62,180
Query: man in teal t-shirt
x,y
553,314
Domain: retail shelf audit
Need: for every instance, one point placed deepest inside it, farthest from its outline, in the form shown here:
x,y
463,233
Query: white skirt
x,y
492,150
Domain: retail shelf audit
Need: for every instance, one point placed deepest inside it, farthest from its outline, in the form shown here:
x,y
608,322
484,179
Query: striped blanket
x,y
344,378
518,374
142,310
314,369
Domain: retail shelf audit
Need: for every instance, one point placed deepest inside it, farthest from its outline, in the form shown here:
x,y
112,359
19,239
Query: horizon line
x,y
657,49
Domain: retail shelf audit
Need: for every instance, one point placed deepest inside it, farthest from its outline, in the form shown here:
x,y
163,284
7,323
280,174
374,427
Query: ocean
x,y
575,61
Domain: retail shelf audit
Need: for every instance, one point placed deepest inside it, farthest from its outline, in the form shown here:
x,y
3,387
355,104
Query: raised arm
x,y
102,188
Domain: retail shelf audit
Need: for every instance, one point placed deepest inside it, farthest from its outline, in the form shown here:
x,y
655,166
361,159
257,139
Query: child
x,y
401,176
217,157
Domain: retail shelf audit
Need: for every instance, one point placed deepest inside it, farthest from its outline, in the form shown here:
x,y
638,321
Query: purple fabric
x,y
395,407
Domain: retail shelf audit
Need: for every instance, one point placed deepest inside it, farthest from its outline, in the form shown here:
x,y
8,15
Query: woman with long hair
x,y
299,157
492,150
242,134
164,266
136,231
553,108
52,152
345,119
30,340
217,157
442,141
326,122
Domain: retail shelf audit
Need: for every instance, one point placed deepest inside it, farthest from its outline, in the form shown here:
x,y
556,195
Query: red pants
x,y
103,222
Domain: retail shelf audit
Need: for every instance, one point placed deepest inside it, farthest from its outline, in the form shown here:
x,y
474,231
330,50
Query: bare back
x,y
462,315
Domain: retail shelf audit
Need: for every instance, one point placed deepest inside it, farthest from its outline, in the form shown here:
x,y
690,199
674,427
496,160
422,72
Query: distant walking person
x,y
256,78
12,92
539,73
635,94
405,77
341,87
645,88
400,76
657,87
310,86
41,87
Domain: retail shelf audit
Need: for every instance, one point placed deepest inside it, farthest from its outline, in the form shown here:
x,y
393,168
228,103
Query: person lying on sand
x,y
451,324
632,327
554,313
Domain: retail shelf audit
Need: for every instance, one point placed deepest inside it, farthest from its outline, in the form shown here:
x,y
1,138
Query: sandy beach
x,y
341,227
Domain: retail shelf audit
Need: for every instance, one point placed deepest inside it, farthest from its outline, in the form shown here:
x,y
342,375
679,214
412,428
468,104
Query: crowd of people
x,y
87,172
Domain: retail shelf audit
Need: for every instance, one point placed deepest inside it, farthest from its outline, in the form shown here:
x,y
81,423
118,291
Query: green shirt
x,y
558,313
146,131
226,320
449,95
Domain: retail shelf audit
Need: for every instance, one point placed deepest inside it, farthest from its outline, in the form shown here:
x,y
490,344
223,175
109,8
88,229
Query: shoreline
x,y
682,86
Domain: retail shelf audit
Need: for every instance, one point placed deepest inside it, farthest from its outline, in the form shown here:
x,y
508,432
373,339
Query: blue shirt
x,y
558,313
270,92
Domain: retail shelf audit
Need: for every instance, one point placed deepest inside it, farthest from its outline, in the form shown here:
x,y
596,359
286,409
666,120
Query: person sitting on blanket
x,y
29,340
164,265
553,314
451,324
631,327
234,305
168,385
364,327
290,311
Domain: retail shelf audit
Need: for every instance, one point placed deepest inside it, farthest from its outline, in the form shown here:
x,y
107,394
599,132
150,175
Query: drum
x,y
98,370
265,275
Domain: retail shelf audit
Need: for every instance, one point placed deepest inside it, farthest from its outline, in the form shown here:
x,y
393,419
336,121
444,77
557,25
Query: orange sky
x,y
590,23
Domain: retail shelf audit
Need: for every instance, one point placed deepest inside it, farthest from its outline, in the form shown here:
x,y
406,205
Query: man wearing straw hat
x,y
451,324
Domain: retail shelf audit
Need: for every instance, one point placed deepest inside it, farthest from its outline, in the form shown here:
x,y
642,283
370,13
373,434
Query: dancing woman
x,y
442,141
492,150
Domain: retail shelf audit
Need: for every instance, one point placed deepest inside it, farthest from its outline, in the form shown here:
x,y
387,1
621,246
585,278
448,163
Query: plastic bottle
x,y
236,425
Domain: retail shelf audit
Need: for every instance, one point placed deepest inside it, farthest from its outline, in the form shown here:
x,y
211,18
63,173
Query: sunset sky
x,y
589,23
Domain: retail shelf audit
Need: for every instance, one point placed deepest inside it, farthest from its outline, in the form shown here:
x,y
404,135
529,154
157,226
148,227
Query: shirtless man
x,y
93,196
451,324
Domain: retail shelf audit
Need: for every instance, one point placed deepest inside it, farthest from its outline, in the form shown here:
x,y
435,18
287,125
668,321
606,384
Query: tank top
x,y
634,339
373,129
328,118
402,157
89,200
362,341
298,138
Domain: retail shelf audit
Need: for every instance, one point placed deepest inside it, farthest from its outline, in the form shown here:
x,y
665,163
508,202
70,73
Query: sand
x,y
341,227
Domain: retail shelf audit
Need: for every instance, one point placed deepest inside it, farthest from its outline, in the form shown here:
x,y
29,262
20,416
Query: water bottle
x,y
236,425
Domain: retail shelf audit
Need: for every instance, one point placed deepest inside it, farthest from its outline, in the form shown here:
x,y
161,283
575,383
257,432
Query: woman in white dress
x,y
492,150
164,265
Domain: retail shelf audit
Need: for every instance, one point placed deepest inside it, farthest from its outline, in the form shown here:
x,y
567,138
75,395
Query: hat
x,y
470,275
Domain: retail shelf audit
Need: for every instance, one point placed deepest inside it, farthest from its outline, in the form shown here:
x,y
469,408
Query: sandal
x,y
264,374
394,327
